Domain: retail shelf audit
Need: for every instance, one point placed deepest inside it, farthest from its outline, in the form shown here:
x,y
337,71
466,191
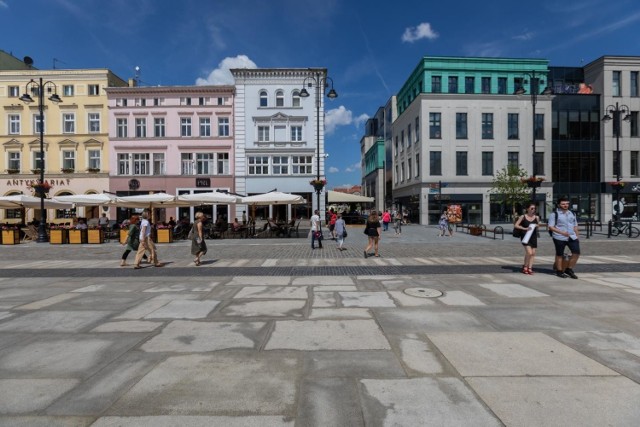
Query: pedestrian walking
x,y
397,224
316,230
528,223
333,217
564,228
386,219
146,243
198,245
443,223
133,240
373,230
341,232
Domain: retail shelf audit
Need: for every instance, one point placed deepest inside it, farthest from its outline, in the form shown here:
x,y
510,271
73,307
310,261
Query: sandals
x,y
197,263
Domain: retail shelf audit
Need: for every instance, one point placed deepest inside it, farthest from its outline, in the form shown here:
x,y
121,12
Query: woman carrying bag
x,y
198,246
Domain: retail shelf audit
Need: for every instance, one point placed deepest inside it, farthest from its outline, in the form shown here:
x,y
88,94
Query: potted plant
x,y
318,184
532,181
13,171
164,234
36,171
93,170
10,235
67,170
39,188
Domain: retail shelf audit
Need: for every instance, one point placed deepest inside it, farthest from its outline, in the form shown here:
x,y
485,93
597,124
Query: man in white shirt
x,y
146,243
316,228
564,228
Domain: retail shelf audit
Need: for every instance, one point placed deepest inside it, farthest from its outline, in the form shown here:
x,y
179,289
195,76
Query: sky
x,y
369,47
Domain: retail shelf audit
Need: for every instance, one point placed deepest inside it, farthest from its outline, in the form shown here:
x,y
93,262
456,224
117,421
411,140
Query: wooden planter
x,y
164,235
59,236
77,237
124,233
10,237
95,236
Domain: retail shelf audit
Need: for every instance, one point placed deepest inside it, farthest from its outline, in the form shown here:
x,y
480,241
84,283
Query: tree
x,y
508,183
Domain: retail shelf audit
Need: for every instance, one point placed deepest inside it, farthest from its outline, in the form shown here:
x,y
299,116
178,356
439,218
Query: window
x,y
123,164
67,90
402,172
263,133
502,85
69,123
395,152
94,122
94,159
538,163
487,125
220,101
461,163
14,124
223,126
296,133
94,90
158,127
140,102
513,128
36,123
223,164
301,165
158,164
263,99
461,125
401,141
409,135
634,167
518,83
295,99
141,164
204,163
158,101
435,126
417,129
616,169
435,163
487,163
280,165
258,165
538,130
14,160
633,124
408,169
486,84
14,91
436,84
186,164
279,98
633,84
203,101
616,90
513,159
141,127
185,126
37,164
205,126
453,84
417,165
121,102
469,84
185,101
68,159
395,177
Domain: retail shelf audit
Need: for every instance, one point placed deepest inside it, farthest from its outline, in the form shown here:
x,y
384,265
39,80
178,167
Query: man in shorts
x,y
564,227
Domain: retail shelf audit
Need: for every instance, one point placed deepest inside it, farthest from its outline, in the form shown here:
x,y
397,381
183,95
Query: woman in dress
x,y
133,240
444,223
373,230
525,223
198,246
340,231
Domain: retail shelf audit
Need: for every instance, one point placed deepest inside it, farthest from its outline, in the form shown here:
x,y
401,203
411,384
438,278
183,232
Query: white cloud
x,y
222,75
341,117
361,119
524,36
354,167
4,4
333,169
422,31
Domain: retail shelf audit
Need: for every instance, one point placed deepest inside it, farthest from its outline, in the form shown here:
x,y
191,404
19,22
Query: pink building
x,y
176,139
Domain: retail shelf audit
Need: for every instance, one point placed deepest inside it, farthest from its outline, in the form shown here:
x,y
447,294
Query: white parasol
x,y
87,199
274,198
22,200
210,198
155,200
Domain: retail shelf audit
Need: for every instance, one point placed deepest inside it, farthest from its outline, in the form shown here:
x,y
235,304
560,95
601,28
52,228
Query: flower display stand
x,y
164,235
77,237
59,236
95,236
10,237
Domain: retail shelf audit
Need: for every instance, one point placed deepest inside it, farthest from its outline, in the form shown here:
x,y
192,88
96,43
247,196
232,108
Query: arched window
x,y
279,98
295,98
263,99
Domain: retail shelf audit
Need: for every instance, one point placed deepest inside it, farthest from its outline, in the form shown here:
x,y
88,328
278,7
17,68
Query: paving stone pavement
x,y
271,333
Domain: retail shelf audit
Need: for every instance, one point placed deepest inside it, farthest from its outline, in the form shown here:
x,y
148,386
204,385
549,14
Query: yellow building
x,y
75,135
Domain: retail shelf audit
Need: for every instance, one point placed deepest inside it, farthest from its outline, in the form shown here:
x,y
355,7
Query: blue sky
x,y
369,46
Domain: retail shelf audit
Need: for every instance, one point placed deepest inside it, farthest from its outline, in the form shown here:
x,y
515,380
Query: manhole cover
x,y
423,292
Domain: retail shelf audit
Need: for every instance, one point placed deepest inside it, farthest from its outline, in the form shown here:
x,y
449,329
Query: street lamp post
x,y
534,86
38,88
614,112
321,82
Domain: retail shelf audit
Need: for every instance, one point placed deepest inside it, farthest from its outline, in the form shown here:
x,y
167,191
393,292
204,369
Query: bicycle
x,y
619,227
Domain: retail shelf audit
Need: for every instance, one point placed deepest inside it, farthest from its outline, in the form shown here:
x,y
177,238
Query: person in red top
x,y
386,219
333,217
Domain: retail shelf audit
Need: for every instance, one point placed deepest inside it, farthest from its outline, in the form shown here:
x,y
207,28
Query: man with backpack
x,y
563,227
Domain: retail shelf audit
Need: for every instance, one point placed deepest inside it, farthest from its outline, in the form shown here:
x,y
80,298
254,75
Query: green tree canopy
x,y
508,184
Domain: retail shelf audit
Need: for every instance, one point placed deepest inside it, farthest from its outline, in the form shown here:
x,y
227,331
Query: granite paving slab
x,y
352,364
404,300
273,292
540,318
194,421
184,310
366,299
512,290
339,313
128,326
561,401
222,384
419,320
21,396
418,357
459,298
263,280
513,353
279,308
329,402
54,321
324,299
422,401
36,421
322,280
